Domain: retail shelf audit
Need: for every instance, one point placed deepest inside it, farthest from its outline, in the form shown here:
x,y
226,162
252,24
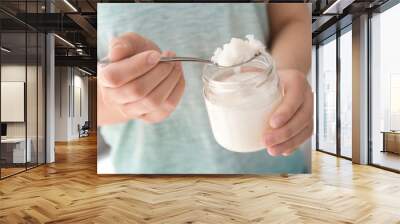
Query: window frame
x,y
334,37
378,10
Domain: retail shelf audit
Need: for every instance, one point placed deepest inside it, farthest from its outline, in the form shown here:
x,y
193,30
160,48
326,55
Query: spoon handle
x,y
106,61
166,59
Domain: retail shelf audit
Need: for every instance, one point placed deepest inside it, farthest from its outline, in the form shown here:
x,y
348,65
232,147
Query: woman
x,y
153,115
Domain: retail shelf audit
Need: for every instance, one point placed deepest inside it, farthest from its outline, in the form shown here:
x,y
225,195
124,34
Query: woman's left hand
x,y
291,124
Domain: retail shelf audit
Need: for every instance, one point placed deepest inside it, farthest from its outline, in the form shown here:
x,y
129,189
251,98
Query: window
x,y
385,89
346,93
327,96
394,101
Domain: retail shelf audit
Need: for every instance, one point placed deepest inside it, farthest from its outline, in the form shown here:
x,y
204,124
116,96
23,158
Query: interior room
x,y
22,100
49,140
32,99
333,70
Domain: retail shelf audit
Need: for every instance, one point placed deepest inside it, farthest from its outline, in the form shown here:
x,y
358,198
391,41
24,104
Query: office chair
x,y
84,130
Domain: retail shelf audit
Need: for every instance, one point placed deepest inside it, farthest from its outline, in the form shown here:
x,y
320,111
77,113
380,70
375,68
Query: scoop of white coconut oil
x,y
238,51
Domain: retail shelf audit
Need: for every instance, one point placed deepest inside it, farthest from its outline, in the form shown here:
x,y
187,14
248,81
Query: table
x,y
16,147
391,141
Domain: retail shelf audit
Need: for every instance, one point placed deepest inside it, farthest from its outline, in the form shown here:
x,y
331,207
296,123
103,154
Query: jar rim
x,y
263,59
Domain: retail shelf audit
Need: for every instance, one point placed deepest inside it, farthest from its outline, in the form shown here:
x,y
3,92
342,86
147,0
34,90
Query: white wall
x,y
79,117
69,82
12,101
12,73
33,127
61,103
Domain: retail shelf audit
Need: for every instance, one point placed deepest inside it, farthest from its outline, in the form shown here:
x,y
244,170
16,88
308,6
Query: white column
x,y
50,92
50,99
360,90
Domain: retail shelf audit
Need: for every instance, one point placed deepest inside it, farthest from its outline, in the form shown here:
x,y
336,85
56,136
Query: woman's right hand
x,y
135,85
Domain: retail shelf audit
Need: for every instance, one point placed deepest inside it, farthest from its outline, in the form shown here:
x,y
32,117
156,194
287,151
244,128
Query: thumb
x,y
128,45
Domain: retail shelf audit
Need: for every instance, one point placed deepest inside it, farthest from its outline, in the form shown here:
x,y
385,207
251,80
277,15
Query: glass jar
x,y
239,102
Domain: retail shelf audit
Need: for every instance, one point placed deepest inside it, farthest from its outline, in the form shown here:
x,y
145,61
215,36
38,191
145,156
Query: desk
x,y
16,147
391,141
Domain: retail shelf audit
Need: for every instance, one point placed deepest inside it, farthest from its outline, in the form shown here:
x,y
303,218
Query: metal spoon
x,y
106,61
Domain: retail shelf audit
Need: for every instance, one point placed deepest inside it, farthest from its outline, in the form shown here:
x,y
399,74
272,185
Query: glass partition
x,y
22,77
32,96
14,153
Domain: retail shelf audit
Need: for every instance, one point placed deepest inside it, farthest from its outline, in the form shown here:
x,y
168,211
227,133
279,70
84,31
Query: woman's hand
x,y
135,85
291,124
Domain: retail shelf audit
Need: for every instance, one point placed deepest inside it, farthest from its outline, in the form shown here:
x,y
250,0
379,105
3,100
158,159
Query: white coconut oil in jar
x,y
239,102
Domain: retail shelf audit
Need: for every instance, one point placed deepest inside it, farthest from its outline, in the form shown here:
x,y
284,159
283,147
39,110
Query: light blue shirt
x,y
183,143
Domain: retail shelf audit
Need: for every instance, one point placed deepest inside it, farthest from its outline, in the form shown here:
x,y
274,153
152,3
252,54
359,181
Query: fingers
x,y
297,123
292,122
134,110
150,97
293,98
171,103
174,98
136,84
155,116
141,86
155,99
127,45
286,148
121,72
